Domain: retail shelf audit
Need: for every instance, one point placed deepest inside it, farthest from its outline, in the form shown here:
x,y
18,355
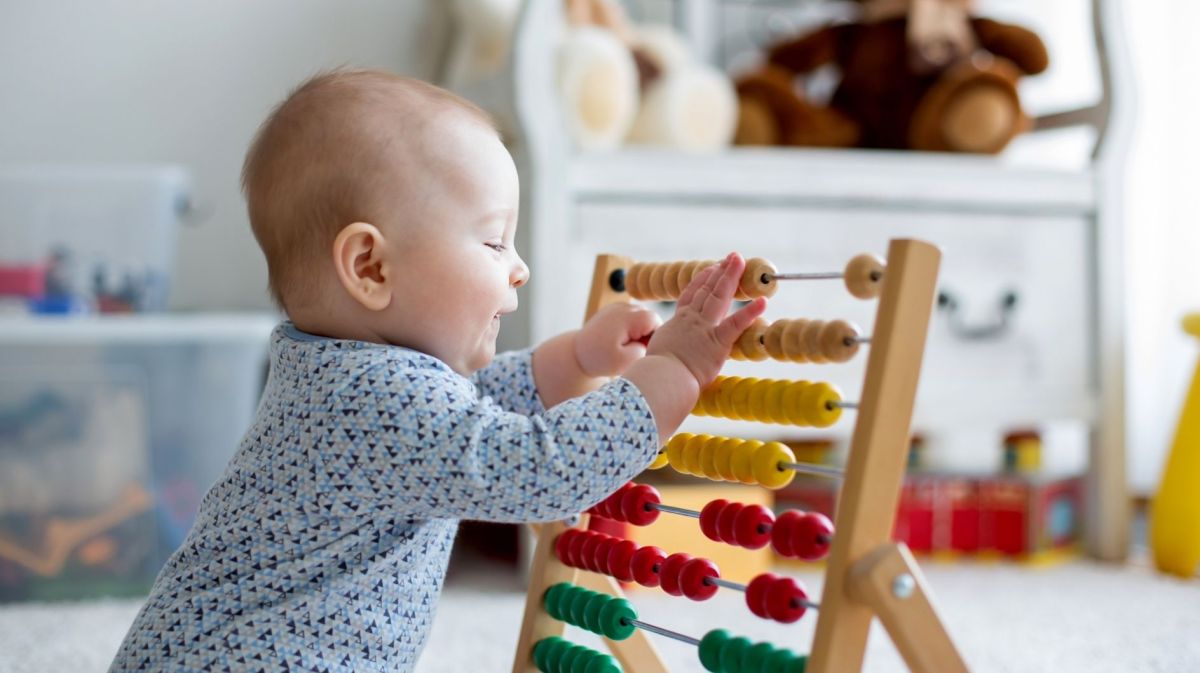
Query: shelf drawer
x,y
985,363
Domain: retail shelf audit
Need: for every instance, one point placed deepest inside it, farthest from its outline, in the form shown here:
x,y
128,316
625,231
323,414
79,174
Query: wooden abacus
x,y
867,575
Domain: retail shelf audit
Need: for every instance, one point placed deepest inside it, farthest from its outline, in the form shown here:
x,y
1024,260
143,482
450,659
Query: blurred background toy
x,y
1175,517
915,74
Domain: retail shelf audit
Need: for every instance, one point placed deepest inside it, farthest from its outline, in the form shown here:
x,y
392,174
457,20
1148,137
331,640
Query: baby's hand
x,y
613,338
700,335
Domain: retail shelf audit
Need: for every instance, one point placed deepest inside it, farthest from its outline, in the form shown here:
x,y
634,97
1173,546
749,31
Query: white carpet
x,y
1079,617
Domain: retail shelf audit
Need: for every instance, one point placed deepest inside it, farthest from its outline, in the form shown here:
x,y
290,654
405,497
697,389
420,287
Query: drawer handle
x,y
996,329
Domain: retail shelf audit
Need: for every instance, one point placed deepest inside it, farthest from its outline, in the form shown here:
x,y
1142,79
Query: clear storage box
x,y
111,430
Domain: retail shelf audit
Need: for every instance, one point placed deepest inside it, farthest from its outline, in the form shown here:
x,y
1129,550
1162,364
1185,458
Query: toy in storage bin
x,y
111,430
89,238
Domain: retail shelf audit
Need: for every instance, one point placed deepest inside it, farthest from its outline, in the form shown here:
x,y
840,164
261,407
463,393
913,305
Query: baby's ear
x,y
358,257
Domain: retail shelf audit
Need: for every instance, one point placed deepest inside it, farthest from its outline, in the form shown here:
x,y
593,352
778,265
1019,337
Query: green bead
x,y
574,611
733,653
616,619
710,649
798,664
555,655
755,658
550,600
585,658
602,663
540,650
570,654
591,612
778,661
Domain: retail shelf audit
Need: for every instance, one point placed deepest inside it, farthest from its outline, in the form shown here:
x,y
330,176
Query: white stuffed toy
x,y
640,85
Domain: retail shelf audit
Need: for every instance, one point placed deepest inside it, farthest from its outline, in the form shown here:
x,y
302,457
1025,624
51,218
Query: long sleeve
x,y
422,442
508,380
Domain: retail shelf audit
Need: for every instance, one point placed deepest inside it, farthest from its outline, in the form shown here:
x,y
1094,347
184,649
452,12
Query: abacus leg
x,y
889,582
545,573
636,653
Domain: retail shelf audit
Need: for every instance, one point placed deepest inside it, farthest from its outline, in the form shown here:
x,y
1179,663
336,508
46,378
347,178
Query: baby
x,y
386,209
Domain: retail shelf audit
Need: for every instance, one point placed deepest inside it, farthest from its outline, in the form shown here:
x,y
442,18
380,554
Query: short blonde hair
x,y
323,159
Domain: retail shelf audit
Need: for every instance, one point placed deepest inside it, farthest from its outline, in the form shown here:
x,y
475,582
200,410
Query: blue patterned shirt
x,y
324,544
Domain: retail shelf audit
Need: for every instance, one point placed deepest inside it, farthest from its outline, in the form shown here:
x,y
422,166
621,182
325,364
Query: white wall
x,y
188,83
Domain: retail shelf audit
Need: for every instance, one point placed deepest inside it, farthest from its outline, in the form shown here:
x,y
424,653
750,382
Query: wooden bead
x,y
812,341
811,536
708,518
636,281
658,288
675,450
637,505
686,273
645,564
773,339
723,397
783,532
726,519
818,404
754,279
752,527
708,460
620,560
671,279
773,402
791,405
750,344
794,345
743,461
660,461
784,597
838,341
692,451
670,570
766,466
756,594
736,353
864,276
693,579
739,399
725,448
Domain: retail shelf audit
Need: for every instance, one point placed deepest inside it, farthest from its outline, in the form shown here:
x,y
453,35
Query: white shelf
x,y
841,178
136,329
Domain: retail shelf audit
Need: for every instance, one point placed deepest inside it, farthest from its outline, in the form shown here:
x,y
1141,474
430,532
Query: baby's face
x,y
455,261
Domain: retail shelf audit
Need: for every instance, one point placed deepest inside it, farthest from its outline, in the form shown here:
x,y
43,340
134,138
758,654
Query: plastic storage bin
x,y
111,430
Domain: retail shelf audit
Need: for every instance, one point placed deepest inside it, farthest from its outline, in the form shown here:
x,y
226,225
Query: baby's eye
x,y
498,247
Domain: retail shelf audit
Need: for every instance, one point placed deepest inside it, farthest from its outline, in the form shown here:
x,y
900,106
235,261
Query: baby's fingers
x,y
716,304
732,327
698,281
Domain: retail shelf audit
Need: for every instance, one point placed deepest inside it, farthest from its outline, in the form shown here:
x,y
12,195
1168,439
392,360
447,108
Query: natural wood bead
x,y
657,289
634,280
812,341
773,340
736,353
753,285
838,341
864,276
750,344
671,279
794,348
687,272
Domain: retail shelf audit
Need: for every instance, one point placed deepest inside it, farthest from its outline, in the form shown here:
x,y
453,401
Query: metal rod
x,y
661,631
850,341
841,405
717,581
812,468
827,275
725,583
674,510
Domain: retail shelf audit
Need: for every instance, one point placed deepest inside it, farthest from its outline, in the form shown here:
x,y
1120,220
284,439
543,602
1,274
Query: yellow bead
x,y
721,397
743,461
723,450
691,454
766,465
675,450
773,401
708,458
818,404
659,461
773,339
793,403
739,399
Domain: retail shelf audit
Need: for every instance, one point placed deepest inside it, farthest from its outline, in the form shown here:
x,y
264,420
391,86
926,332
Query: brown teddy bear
x,y
916,74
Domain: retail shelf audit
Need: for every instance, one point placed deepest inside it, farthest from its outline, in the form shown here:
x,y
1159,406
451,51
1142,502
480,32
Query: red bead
x,y
752,527
587,551
811,536
669,573
562,544
692,579
725,519
708,519
756,594
782,532
646,564
635,505
574,549
620,560
610,507
783,600
603,549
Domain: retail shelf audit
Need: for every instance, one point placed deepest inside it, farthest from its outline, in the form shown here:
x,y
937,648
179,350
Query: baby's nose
x,y
520,274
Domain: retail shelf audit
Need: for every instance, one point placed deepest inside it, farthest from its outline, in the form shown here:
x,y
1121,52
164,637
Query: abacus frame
x,y
867,575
